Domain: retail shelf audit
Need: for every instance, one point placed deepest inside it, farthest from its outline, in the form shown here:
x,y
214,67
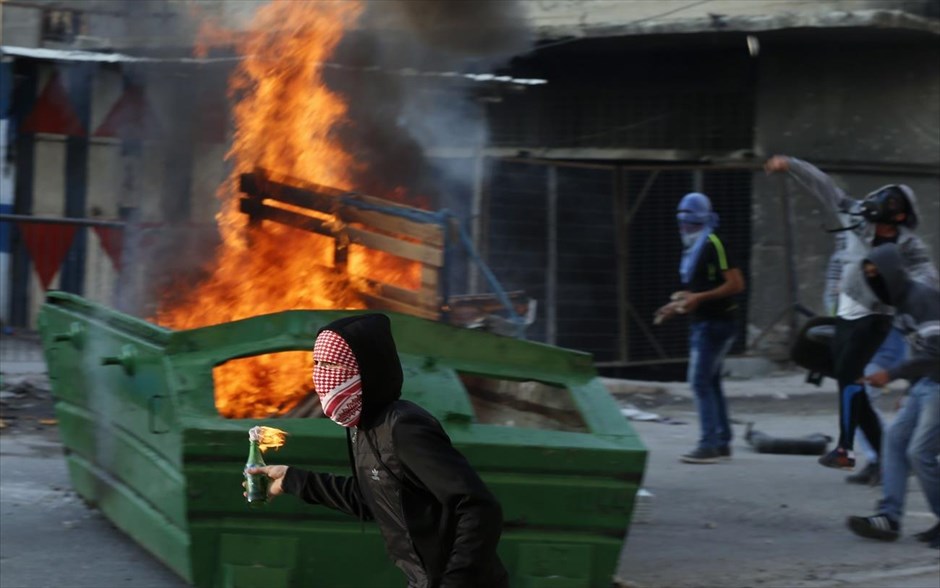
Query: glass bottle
x,y
256,486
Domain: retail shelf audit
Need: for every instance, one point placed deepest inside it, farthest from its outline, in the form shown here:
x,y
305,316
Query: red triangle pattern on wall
x,y
111,239
53,113
130,118
47,244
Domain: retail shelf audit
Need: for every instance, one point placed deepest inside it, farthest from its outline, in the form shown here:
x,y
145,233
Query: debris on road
x,y
635,414
815,444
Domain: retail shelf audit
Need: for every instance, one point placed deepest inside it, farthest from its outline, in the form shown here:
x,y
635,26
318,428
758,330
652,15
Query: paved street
x,y
758,520
49,538
765,520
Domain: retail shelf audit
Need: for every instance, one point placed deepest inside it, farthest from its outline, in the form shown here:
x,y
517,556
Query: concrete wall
x,y
869,113
140,24
106,24
604,17
855,101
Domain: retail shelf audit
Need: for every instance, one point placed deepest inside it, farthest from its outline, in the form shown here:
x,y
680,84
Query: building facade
x,y
568,186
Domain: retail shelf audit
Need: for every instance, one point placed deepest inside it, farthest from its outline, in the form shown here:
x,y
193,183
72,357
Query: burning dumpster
x,y
146,441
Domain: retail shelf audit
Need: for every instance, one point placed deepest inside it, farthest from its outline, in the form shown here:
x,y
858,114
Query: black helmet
x,y
884,205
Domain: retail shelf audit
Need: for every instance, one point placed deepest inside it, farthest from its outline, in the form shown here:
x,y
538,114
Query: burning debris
x,y
296,233
285,119
289,124
380,254
266,385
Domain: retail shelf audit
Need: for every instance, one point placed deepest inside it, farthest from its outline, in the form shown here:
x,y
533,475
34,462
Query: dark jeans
x,y
709,343
854,344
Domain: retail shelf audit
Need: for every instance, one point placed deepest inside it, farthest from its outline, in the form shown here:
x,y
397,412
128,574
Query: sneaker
x,y
870,475
931,534
878,527
839,459
701,455
724,452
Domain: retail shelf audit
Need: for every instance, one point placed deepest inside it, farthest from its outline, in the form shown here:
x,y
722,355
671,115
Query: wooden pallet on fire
x,y
375,223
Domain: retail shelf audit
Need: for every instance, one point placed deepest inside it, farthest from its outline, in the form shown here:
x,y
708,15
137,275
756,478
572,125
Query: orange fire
x,y
267,437
285,118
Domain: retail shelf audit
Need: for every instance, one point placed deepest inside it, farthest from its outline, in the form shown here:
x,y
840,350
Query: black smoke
x,y
400,108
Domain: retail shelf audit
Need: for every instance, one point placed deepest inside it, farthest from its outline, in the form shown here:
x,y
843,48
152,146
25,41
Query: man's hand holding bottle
x,y
275,474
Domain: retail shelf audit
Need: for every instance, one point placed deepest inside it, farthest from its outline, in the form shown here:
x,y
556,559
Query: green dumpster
x,y
146,444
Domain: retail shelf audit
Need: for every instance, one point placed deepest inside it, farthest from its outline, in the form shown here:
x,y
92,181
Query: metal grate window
x,y
598,247
700,101
517,232
587,296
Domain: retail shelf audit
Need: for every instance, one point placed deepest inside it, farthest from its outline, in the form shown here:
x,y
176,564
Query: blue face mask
x,y
694,237
690,233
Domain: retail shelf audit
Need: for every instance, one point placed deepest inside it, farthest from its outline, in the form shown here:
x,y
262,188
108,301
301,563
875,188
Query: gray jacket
x,y
918,313
850,250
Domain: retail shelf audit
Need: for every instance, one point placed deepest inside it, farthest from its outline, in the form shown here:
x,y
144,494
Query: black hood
x,y
893,283
370,338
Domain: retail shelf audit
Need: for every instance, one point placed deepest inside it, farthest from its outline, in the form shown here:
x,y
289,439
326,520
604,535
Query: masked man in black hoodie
x,y
912,442
440,523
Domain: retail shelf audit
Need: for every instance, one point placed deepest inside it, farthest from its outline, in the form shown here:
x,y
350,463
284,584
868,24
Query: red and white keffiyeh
x,y
337,380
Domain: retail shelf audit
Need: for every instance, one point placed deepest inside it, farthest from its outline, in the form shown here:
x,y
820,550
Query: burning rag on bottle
x,y
337,379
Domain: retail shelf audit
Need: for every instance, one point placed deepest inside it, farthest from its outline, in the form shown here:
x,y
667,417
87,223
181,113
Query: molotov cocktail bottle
x,y
256,485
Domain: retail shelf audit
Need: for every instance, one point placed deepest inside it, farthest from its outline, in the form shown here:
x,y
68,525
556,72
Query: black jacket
x,y
918,313
440,523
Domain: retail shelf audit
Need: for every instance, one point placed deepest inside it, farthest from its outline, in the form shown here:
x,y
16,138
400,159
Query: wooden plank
x,y
255,182
422,298
285,217
327,200
430,284
289,218
414,251
428,233
378,302
319,198
430,277
409,297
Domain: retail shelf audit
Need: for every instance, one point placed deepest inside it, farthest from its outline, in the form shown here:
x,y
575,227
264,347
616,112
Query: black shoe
x,y
870,475
931,534
724,452
701,455
838,458
878,527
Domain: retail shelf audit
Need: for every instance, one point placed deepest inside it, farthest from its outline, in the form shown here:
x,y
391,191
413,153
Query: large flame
x,y
285,117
